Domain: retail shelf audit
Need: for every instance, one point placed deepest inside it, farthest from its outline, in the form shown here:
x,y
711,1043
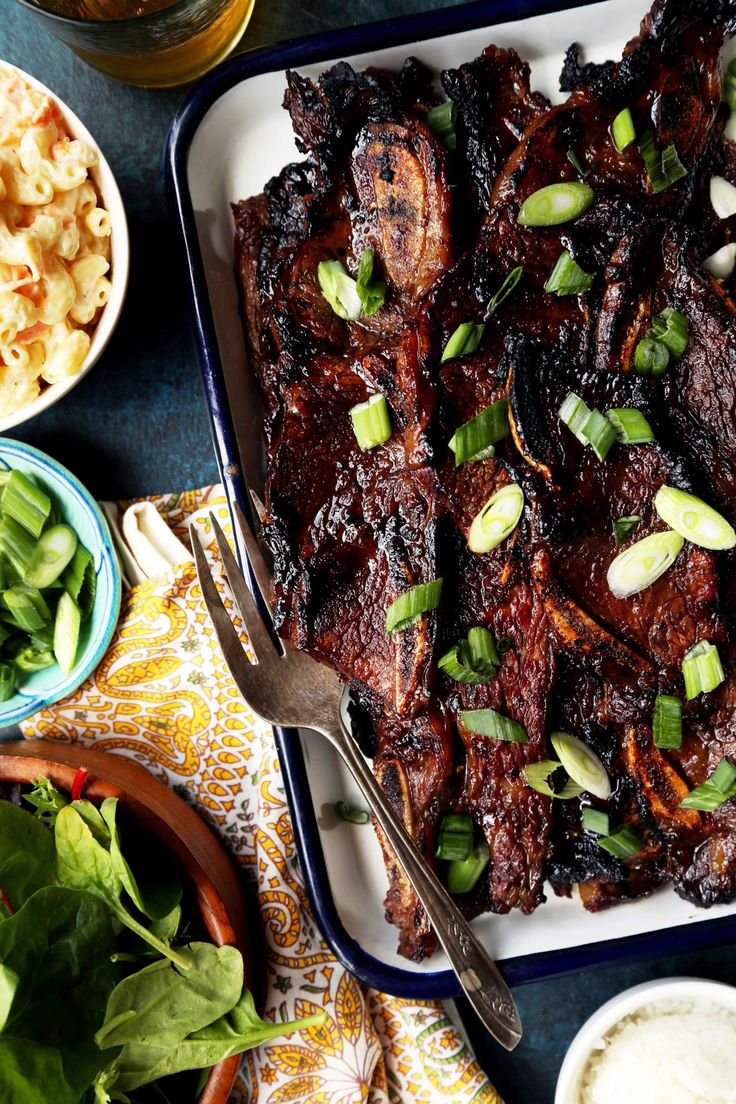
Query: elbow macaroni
x,y
54,245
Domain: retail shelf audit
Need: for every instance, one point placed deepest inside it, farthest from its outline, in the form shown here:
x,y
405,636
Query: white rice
x,y
674,1052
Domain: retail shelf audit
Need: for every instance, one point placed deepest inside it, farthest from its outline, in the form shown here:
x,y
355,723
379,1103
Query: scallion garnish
x,y
487,722
702,669
455,837
351,814
371,422
631,426
465,339
567,277
582,764
729,84
722,197
441,121
694,519
624,843
409,607
555,204
339,289
589,426
662,169
497,520
473,660
642,563
461,875
26,503
27,607
622,130
504,291
623,526
595,820
475,439
651,358
371,290
577,164
711,794
667,721
721,263
671,329
537,776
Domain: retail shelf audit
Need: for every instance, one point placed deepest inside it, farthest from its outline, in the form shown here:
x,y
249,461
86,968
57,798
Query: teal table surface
x,y
138,424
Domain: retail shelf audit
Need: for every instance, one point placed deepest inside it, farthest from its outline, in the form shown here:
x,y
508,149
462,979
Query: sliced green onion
x,y
351,814
722,197
504,291
622,130
487,722
567,277
667,721
80,581
711,794
631,426
623,526
409,607
474,660
475,439
662,169
465,339
30,659
671,329
624,843
455,837
702,669
642,563
371,422
556,203
595,820
537,775
66,632
7,681
27,606
729,84
461,876
574,412
497,520
577,164
694,519
51,555
371,290
582,764
589,426
651,358
441,121
16,544
339,289
26,503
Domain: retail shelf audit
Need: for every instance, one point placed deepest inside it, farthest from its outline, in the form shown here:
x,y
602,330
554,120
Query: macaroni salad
x,y
54,245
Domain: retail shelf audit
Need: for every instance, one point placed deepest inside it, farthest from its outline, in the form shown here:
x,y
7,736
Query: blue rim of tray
x,y
311,50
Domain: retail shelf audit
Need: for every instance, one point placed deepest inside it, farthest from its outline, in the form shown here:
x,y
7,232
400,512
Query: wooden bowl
x,y
197,850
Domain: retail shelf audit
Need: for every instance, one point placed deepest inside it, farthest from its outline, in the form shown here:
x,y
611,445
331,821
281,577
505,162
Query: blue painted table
x,y
137,424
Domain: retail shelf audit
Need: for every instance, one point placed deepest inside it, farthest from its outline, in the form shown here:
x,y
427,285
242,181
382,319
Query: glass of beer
x,y
153,43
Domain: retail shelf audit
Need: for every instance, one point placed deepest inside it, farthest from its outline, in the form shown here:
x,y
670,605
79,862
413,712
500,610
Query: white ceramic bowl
x,y
119,267
601,1022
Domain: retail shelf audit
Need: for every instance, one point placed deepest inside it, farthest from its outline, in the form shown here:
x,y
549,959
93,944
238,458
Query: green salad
x,y
106,991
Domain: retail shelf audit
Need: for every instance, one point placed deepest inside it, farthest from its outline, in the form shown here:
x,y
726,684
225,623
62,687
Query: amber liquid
x,y
152,63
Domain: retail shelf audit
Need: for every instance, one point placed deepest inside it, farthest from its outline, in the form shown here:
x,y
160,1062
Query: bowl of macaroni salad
x,y
64,252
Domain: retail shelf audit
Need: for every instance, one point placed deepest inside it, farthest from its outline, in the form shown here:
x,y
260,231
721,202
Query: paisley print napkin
x,y
163,696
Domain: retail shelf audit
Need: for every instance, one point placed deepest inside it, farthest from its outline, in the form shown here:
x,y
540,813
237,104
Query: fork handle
x,y
478,975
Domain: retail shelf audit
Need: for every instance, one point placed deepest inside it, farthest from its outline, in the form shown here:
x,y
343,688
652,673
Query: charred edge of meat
x,y
529,413
361,723
616,83
577,859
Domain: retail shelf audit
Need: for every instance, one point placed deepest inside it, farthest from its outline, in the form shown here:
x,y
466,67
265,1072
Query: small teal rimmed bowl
x,y
78,509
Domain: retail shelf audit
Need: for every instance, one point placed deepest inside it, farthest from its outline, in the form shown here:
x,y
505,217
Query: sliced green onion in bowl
x,y
711,794
631,426
26,503
556,203
624,843
371,422
409,607
455,837
476,438
667,721
624,526
694,519
497,520
441,121
595,820
671,329
702,669
465,339
487,722
651,358
52,554
537,778
622,130
351,814
582,764
339,289
642,563
462,876
567,277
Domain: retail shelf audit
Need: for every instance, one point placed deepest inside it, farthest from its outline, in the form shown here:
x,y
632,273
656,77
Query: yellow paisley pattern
x,y
163,696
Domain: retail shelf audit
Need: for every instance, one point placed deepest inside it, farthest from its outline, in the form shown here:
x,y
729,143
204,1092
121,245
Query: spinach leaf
x,y
160,1005
83,862
161,891
167,927
30,1072
8,985
26,854
47,801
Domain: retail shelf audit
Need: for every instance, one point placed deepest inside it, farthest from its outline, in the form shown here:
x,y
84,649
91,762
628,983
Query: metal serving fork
x,y
290,689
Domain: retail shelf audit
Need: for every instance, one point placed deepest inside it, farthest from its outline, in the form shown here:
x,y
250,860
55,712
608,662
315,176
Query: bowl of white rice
x,y
664,1042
